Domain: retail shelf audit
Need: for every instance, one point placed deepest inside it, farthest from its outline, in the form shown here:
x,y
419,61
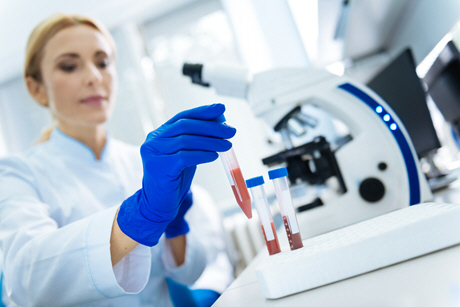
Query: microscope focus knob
x,y
371,190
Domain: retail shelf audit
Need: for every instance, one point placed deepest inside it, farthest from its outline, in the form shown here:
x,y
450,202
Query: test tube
x,y
235,177
256,187
279,177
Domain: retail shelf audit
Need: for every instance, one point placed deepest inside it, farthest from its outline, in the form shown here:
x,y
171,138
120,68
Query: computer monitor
x,y
443,81
399,85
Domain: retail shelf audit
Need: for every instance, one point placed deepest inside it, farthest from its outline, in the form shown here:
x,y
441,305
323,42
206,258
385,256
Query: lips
x,y
94,100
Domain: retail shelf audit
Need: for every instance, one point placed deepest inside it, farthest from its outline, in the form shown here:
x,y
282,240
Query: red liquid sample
x,y
273,246
241,192
295,240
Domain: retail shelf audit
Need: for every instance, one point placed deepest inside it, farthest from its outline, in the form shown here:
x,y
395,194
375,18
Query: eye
x,y
67,67
104,63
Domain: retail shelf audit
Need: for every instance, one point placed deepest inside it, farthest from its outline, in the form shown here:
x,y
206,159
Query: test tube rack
x,y
360,248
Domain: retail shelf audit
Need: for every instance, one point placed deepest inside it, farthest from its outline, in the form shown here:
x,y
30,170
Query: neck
x,y
94,137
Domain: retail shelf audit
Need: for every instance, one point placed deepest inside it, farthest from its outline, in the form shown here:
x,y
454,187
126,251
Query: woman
x,y
74,226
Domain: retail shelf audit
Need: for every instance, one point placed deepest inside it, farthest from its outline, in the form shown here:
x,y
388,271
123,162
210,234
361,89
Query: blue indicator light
x,y
411,167
386,117
379,109
393,126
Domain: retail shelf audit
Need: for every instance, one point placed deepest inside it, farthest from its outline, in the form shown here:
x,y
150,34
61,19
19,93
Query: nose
x,y
93,76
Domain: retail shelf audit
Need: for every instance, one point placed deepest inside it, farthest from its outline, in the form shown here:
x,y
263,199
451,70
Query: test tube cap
x,y
277,173
221,119
256,181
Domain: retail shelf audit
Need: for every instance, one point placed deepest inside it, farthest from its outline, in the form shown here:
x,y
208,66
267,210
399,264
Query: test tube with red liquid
x,y
235,177
259,198
279,178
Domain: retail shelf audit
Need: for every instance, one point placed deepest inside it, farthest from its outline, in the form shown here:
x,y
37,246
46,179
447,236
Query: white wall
x,y
266,34
134,115
425,23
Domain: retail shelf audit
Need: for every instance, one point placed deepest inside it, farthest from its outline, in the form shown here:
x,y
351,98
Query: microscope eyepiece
x,y
194,72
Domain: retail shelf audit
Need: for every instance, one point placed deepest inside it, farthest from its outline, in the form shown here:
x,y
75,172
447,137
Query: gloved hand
x,y
170,155
179,225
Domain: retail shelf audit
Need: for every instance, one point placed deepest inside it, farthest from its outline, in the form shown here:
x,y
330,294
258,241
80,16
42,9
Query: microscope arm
x,y
227,80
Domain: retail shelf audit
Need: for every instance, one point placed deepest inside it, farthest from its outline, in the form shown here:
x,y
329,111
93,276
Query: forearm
x,y
192,267
178,248
120,244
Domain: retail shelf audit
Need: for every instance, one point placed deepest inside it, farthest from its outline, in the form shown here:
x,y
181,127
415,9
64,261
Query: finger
x,y
209,112
189,142
187,158
196,127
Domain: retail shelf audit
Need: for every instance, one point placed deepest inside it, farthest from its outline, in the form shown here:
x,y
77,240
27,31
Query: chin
x,y
97,120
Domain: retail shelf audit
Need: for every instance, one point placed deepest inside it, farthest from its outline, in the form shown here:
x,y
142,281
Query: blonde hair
x,y
40,36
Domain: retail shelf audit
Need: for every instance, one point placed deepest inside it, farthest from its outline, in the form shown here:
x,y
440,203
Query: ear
x,y
37,90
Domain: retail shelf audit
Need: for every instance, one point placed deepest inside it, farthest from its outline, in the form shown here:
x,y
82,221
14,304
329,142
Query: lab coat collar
x,y
76,148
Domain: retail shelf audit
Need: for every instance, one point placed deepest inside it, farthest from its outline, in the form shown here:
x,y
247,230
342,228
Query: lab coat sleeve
x,y
205,248
47,265
205,220
194,265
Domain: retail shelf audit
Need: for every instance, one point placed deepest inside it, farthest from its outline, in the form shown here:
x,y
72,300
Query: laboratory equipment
x,y
443,81
259,198
278,176
367,246
376,167
400,86
235,177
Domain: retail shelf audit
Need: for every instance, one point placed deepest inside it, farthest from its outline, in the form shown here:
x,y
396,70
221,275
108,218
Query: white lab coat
x,y
57,206
205,221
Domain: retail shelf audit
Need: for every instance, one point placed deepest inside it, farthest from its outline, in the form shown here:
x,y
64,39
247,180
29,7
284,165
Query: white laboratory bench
x,y
429,280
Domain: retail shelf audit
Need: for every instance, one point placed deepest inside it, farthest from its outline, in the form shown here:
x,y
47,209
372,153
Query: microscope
x,y
375,165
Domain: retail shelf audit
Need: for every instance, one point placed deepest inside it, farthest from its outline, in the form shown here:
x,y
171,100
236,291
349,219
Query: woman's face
x,y
79,76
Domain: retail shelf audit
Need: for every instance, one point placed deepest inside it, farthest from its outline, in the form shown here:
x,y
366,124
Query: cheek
x,y
61,87
62,91
112,83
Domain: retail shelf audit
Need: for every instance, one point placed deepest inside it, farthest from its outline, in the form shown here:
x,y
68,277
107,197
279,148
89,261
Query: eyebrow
x,y
72,55
75,55
101,52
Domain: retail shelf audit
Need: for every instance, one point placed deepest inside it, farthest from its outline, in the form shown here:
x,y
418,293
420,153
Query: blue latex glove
x,y
170,155
179,225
